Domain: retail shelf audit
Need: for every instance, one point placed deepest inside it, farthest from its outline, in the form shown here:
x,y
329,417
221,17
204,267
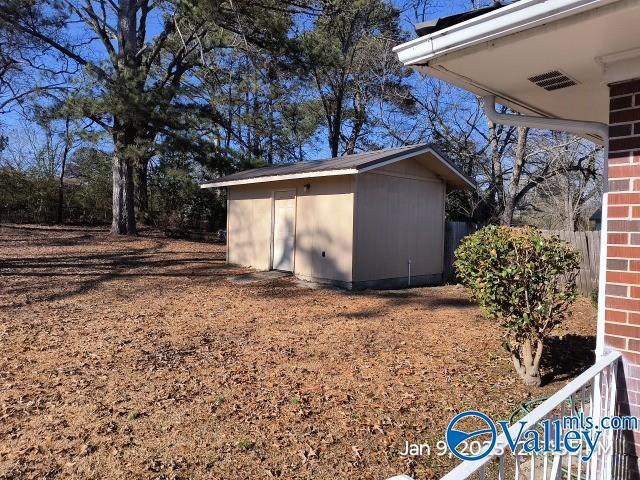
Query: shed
x,y
369,220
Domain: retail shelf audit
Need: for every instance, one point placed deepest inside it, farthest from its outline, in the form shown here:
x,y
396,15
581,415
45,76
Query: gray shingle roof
x,y
437,24
348,163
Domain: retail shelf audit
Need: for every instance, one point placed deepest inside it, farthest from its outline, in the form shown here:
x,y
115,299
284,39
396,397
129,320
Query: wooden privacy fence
x,y
587,243
454,232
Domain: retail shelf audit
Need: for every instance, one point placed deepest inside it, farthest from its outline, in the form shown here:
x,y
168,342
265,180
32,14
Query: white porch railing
x,y
593,394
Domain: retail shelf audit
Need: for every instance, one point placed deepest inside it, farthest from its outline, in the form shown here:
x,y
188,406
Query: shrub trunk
x,y
526,358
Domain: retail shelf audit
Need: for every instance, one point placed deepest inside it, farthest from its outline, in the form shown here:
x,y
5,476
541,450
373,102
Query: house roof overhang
x,y
593,43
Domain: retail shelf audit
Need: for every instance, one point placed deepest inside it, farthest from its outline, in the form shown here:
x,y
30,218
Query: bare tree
x,y
134,92
510,164
566,201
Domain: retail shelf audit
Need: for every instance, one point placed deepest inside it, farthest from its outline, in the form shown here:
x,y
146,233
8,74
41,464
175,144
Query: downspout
x,y
576,127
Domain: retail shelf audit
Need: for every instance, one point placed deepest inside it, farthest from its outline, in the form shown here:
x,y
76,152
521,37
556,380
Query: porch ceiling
x,y
592,47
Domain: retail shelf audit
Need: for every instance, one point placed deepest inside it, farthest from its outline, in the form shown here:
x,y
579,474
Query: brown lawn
x,y
136,358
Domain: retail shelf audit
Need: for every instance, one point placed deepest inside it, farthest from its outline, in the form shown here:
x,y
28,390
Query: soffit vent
x,y
554,80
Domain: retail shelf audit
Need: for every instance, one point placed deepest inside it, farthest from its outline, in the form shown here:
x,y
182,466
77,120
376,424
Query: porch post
x,y
622,290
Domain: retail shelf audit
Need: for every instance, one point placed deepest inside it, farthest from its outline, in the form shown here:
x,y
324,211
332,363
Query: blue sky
x,y
442,8
437,8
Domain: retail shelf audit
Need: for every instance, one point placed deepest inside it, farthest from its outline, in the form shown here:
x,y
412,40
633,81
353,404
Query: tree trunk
x,y
335,125
125,132
334,137
569,210
142,190
506,218
63,165
124,221
527,361
516,175
59,216
496,186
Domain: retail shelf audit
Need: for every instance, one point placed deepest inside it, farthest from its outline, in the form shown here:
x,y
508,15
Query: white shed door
x,y
284,230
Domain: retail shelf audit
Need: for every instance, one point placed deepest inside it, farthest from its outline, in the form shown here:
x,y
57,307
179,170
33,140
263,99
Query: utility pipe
x,y
570,126
581,128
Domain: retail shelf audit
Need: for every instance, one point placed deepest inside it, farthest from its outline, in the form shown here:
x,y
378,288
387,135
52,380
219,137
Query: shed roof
x,y
350,165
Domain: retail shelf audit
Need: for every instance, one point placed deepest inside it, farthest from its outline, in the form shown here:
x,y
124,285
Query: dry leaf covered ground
x,y
137,358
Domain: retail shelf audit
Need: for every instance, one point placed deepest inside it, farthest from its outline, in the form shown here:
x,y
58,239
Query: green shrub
x,y
523,280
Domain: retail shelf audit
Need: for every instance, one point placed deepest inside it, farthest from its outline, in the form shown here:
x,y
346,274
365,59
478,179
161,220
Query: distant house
x,y
370,220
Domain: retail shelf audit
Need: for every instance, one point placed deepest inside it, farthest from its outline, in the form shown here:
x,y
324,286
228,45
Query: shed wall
x,y
324,223
249,226
399,217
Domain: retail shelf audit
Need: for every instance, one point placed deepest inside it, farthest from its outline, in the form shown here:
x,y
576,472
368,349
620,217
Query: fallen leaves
x,y
135,358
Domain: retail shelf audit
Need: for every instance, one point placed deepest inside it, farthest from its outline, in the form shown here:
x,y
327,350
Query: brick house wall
x,y
622,314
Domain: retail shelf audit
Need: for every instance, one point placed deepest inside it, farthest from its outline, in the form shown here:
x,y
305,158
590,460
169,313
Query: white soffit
x,y
594,43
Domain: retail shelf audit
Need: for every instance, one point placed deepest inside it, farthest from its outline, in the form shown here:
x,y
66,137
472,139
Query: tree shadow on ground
x,y
71,274
566,357
27,228
409,297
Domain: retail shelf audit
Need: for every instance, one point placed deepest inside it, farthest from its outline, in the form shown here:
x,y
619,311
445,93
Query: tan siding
x,y
411,168
397,219
324,222
249,226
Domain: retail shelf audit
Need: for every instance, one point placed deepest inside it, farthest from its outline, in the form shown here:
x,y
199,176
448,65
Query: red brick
x,y
633,358
634,346
624,116
618,238
636,185
622,330
623,252
616,342
620,185
624,199
635,212
615,316
632,387
624,88
625,171
624,157
634,318
634,292
621,130
621,102
632,371
634,265
619,264
616,211
624,225
631,278
617,290
633,384
635,239
629,304
620,158
629,143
